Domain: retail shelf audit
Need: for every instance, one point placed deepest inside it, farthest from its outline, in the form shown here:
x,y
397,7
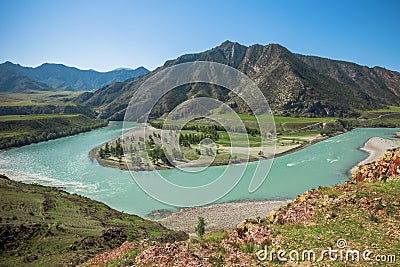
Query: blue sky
x,y
105,35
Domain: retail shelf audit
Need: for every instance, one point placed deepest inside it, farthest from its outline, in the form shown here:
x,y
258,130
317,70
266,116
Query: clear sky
x,y
105,35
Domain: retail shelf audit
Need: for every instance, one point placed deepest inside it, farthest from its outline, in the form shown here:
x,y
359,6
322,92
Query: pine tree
x,y
200,228
107,149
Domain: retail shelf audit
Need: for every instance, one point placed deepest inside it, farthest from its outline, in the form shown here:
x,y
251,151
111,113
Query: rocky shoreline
x,y
221,216
376,148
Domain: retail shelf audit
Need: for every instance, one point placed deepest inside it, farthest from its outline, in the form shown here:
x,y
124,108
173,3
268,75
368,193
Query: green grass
x,y
238,140
386,110
362,227
41,226
282,124
281,119
35,117
243,117
36,98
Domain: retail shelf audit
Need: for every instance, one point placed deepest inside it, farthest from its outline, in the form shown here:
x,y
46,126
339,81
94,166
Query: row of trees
x,y
193,139
189,126
157,154
207,151
110,150
205,128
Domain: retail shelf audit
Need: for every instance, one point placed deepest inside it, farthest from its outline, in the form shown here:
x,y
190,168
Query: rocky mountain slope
x,y
60,77
293,84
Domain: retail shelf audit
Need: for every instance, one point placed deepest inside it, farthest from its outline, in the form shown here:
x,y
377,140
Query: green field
x,y
35,117
36,98
42,226
288,126
389,109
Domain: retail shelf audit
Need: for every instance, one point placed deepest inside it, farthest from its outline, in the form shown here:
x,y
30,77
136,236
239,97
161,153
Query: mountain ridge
x,y
293,84
62,77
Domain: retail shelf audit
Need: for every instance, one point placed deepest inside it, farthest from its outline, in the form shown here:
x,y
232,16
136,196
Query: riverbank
x,y
227,215
376,148
219,217
21,130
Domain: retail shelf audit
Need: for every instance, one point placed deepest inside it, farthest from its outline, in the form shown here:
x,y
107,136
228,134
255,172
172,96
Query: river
x,y
64,162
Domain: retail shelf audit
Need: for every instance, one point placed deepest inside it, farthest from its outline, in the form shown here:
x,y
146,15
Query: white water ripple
x,y
29,178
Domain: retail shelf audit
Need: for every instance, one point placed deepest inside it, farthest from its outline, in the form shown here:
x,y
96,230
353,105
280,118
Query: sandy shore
x,y
220,216
376,147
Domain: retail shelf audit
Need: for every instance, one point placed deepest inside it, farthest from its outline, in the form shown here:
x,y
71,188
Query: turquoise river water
x,y
64,162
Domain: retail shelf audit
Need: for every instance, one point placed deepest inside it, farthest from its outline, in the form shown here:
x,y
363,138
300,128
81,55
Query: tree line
x,y
112,150
22,138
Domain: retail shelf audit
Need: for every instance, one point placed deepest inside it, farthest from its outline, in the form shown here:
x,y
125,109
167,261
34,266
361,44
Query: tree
x,y
136,161
151,141
107,149
118,148
156,154
102,154
201,225
176,154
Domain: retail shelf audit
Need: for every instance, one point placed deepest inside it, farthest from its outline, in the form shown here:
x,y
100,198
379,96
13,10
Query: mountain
x,y
13,82
61,77
293,84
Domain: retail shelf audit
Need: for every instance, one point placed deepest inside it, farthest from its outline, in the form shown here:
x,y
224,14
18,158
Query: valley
x,y
199,133
322,115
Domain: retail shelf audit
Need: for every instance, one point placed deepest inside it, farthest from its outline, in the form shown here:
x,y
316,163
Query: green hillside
x,y
19,130
42,226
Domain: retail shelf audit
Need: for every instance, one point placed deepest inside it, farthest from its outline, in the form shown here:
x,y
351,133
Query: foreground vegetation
x,y
42,226
19,130
362,215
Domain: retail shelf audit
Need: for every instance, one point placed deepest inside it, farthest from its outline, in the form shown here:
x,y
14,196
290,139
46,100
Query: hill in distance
x,y
293,84
16,78
14,82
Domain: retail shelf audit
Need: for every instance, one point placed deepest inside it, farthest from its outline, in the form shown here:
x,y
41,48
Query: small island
x,y
204,142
